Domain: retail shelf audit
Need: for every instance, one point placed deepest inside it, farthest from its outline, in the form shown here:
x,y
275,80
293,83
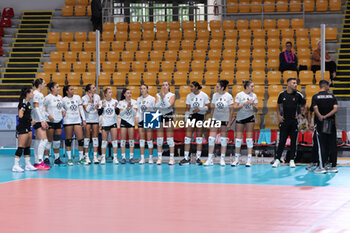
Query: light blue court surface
x,y
258,174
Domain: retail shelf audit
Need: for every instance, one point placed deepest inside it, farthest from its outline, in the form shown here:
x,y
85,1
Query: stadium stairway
x,y
26,53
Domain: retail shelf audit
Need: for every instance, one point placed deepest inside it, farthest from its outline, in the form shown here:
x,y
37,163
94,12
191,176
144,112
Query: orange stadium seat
x,y
53,37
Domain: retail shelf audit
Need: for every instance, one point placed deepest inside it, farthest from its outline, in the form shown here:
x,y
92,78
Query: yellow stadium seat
x,y
45,76
135,26
127,56
200,44
164,76
269,6
305,62
145,45
306,77
273,53
269,23
135,35
255,7
282,6
242,75
198,65
258,54
90,46
230,44
271,122
244,44
318,76
175,35
189,35
108,66
156,55
315,32
203,34
153,66
273,33
187,44
243,6
79,67
85,56
159,45
53,37
150,78
59,78
162,35
183,66
119,79
229,54
107,36
206,90
213,65
289,74
83,2
50,67
121,36
258,65
123,66
62,46
180,79
174,25
303,42
211,78
227,65
122,26
242,24
334,5
259,43
131,46
274,77
76,46
168,66
232,7
67,10
70,2
113,56
91,67
196,76
184,91
331,33
301,32
135,91
170,55
201,25
273,43
215,44
287,33
134,78
294,6
243,54
103,80
80,10
274,90
185,55
259,33
231,34
88,9
304,53
70,56
141,56
321,5
228,25
148,35
297,23
92,36
273,64
64,67
105,46
173,45
217,34
187,25
148,26
259,90
258,77
228,75
74,79
311,90
236,89
214,54
242,65
215,25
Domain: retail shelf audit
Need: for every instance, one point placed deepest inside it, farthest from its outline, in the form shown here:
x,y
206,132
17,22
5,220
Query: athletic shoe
x,y
209,162
17,168
47,161
311,167
235,163
123,161
184,162
42,166
291,164
222,162
142,161
199,162
82,162
332,170
87,159
159,161
115,160
150,160
277,163
70,162
30,167
96,161
171,161
320,170
58,162
131,161
103,160
248,164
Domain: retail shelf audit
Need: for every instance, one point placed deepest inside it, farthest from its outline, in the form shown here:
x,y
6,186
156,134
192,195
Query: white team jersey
x,y
144,105
246,111
108,116
38,98
91,112
197,101
128,115
162,108
54,107
71,105
222,106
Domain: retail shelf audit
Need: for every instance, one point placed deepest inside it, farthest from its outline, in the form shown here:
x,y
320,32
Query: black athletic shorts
x,y
23,129
92,123
250,119
108,128
55,125
197,117
64,125
223,123
125,124
37,125
140,124
167,117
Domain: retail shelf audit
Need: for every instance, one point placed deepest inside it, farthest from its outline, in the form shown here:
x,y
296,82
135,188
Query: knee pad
x,y
142,142
131,143
249,142
223,141
81,142
56,137
211,141
94,142
170,142
187,140
69,142
122,143
150,144
160,141
199,140
238,142
104,144
48,145
115,144
19,151
27,151
56,144
86,142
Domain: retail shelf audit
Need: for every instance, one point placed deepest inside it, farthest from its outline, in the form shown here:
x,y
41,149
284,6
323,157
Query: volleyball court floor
x,y
150,198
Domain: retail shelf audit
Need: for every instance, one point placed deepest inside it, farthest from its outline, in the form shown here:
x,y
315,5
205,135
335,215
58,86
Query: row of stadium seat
x,y
78,10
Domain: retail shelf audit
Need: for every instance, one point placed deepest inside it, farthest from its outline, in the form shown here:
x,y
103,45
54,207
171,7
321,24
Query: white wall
x,y
32,5
211,15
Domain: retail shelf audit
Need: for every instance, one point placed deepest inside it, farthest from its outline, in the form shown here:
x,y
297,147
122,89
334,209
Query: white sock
x,y
69,154
103,155
81,155
160,155
17,161
142,156
131,155
237,155
210,156
36,145
186,155
171,155
41,149
27,159
57,155
249,156
123,156
95,154
198,154
223,156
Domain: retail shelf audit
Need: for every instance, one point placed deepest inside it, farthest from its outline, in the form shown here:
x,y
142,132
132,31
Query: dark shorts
x,y
108,128
223,123
92,123
197,117
250,119
55,125
125,124
23,129
167,117
37,125
140,124
70,125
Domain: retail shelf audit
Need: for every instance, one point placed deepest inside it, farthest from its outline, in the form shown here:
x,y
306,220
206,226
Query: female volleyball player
x,y
222,110
165,101
246,105
40,124
24,131
108,109
197,104
128,110
55,112
145,103
90,104
72,122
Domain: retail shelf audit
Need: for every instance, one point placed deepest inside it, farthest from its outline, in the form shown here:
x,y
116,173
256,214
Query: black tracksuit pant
x,y
288,128
325,146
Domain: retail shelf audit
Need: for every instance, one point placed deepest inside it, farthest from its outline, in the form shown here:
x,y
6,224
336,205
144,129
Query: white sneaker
x,y
209,162
248,164
103,160
292,164
159,161
222,162
115,160
17,168
171,161
142,161
150,160
96,161
276,163
30,167
87,159
235,163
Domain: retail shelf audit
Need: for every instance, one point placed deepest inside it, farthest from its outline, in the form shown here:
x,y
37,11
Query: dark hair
x,y
105,90
144,85
288,42
196,84
37,82
291,79
51,85
123,93
223,83
246,83
65,89
88,87
24,92
323,83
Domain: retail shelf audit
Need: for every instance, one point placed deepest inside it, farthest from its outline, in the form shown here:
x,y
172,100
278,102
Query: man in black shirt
x,y
288,60
325,106
289,106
